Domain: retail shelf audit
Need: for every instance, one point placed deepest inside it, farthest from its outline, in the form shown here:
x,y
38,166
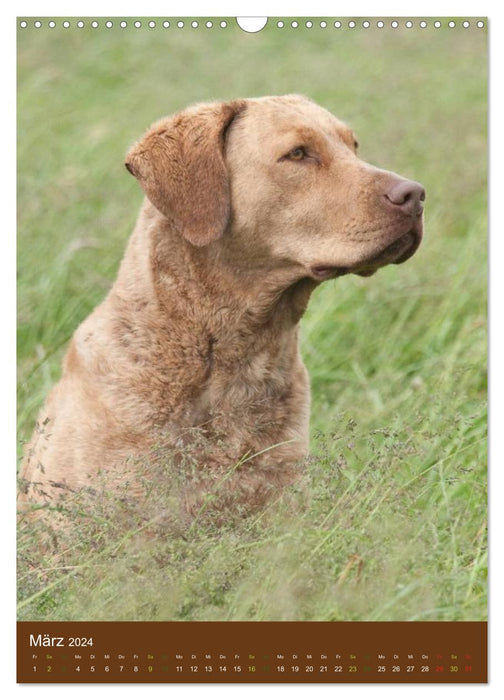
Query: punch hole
x,y
323,24
166,24
351,25
451,24
294,24
409,24
209,25
123,24
337,25
80,24
52,25
223,24
395,24
480,25
109,25
437,24
94,25
309,25
138,24
366,24
280,24
194,25
380,24
466,24
423,24
23,24
252,24
152,25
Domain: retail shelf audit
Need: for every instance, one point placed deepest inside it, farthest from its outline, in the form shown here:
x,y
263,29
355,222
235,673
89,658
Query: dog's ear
x,y
181,168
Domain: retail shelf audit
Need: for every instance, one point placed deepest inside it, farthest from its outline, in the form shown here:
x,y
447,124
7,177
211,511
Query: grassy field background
x,y
390,523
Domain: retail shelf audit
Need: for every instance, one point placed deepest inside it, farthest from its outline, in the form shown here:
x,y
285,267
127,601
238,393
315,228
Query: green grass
x,y
390,521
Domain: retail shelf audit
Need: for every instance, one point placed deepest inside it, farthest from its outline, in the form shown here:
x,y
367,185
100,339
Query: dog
x,y
249,206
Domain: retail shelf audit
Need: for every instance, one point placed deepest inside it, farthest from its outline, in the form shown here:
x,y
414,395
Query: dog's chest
x,y
248,392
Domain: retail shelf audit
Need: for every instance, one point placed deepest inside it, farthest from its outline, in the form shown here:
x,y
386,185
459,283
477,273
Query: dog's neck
x,y
226,294
228,339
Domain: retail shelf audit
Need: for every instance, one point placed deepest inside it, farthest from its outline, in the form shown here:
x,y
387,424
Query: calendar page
x,y
252,342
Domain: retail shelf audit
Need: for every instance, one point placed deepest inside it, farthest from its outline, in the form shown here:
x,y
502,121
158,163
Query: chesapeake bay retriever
x,y
250,204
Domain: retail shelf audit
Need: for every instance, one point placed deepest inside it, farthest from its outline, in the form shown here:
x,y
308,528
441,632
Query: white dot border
x,y
202,23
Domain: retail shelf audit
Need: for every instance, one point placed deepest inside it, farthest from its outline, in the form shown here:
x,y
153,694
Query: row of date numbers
x,y
278,669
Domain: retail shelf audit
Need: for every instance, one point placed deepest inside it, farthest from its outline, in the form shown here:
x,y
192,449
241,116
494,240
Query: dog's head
x,y
277,181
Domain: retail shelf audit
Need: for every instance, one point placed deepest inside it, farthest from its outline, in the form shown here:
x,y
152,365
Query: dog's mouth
x,y
396,253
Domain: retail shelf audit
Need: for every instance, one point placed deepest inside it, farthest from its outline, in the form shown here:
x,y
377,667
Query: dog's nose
x,y
408,196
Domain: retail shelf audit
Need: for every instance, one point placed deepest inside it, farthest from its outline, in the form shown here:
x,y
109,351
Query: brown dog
x,y
250,205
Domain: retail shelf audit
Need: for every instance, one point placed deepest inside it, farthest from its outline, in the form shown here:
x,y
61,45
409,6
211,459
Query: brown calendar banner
x,y
252,357
252,652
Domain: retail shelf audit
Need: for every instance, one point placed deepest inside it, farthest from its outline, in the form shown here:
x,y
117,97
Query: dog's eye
x,y
356,145
297,154
300,153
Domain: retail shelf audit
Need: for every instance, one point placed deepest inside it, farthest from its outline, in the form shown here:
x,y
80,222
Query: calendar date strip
x,y
252,652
